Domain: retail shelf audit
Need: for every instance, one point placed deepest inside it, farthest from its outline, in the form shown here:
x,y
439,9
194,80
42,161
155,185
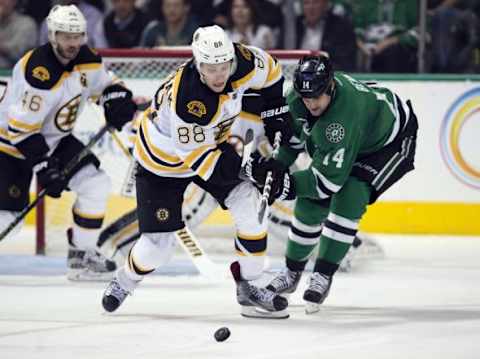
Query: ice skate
x,y
117,290
257,302
285,283
317,292
88,264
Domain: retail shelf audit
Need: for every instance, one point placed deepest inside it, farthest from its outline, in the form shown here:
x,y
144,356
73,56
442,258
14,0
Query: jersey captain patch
x,y
335,132
41,73
197,108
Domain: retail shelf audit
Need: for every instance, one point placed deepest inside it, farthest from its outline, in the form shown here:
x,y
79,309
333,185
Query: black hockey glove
x,y
118,105
283,188
50,176
276,118
257,167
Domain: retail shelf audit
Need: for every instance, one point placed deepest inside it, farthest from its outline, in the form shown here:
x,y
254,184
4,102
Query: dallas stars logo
x,y
335,132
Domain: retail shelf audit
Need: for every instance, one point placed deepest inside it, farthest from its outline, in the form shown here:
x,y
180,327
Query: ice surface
x,y
421,301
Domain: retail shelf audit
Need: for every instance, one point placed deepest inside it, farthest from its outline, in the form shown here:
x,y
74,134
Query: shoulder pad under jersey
x,y
245,65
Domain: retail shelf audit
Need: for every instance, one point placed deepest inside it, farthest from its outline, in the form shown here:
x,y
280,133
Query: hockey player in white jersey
x,y
182,139
48,88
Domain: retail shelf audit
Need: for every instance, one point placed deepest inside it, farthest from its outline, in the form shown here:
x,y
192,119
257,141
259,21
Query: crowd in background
x,y
360,36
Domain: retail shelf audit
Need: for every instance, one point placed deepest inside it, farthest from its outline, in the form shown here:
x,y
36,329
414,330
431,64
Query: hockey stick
x,y
66,171
268,181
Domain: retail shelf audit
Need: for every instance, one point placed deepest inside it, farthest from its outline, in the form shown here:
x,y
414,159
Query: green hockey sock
x,y
299,252
332,251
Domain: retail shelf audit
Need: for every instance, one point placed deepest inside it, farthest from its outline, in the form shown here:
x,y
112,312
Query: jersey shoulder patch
x,y
41,68
194,102
245,65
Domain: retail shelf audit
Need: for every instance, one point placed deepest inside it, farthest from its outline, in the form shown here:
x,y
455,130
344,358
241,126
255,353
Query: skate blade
x,y
83,275
311,308
254,312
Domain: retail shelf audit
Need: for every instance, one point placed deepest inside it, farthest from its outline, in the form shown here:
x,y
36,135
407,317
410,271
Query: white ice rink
x,y
421,301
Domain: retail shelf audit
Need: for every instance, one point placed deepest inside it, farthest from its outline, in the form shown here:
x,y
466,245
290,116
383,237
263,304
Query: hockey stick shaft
x,y
268,181
66,171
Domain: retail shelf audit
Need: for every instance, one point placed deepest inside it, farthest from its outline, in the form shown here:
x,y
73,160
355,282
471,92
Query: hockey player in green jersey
x,y
361,139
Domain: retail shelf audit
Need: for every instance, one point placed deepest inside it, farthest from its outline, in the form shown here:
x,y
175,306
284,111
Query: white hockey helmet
x,y
65,18
211,45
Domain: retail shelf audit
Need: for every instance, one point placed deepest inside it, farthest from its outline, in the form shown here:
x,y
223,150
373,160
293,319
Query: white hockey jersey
x,y
179,133
46,97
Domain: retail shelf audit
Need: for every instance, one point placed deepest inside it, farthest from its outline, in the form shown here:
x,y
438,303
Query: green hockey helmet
x,y
313,76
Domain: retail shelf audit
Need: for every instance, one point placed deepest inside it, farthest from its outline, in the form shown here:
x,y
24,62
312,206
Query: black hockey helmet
x,y
313,76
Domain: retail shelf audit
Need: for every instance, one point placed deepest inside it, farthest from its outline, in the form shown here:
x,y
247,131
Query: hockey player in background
x,y
37,115
361,140
182,139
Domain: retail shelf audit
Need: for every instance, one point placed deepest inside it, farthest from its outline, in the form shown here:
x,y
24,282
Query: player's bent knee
x,y
91,183
153,250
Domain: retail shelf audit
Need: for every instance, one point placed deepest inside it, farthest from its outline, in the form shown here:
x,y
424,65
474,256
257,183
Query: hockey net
x,y
143,71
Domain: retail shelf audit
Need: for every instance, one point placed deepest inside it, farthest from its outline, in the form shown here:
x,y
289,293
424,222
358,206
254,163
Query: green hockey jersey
x,y
360,120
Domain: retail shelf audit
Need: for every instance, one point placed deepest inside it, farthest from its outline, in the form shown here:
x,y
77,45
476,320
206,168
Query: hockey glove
x,y
118,105
50,176
276,118
257,167
283,188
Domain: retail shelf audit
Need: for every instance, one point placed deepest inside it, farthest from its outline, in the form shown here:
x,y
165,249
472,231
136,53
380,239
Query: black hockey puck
x,y
222,334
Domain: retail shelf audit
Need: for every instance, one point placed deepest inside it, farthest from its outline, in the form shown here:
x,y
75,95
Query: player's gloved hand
x,y
257,167
118,105
283,188
50,176
277,119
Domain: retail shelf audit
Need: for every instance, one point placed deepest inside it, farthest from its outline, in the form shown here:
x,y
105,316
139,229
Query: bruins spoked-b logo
x,y
14,191
197,108
162,214
41,73
67,115
335,132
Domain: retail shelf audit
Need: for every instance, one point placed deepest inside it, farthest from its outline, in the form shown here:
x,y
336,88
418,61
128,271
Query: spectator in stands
x,y
123,26
386,34
17,33
268,14
38,10
92,14
455,35
176,28
321,29
244,28
201,11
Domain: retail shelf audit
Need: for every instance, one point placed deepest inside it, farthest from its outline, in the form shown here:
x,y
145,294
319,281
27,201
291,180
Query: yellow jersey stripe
x,y
196,154
221,101
240,82
176,83
23,126
150,164
250,117
11,150
208,164
171,159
